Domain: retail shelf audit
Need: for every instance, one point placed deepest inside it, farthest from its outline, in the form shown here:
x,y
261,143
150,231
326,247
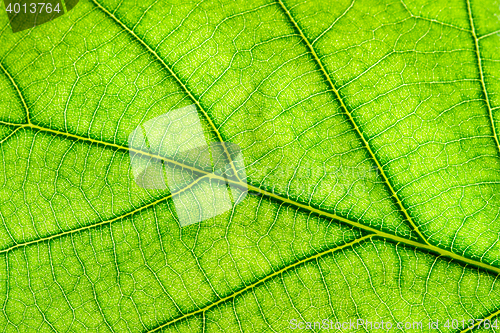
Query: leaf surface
x,y
370,133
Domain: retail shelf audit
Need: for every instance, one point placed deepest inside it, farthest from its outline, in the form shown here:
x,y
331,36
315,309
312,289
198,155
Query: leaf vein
x,y
271,195
351,119
16,87
481,74
262,280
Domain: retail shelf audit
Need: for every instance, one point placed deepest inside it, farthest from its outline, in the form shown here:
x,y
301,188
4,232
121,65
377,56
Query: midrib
x,y
317,211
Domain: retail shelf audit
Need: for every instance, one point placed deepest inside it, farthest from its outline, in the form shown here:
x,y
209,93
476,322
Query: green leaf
x,y
370,136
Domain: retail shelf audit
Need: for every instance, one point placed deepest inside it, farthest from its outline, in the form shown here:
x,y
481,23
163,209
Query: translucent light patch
x,y
170,151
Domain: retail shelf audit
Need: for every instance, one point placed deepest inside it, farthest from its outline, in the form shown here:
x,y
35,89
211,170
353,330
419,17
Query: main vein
x,y
204,173
352,121
481,74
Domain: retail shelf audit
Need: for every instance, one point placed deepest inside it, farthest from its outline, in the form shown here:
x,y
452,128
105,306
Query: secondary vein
x,y
481,74
177,79
253,285
16,87
352,121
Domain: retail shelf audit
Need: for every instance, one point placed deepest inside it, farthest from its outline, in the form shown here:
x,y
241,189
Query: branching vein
x,y
352,121
480,67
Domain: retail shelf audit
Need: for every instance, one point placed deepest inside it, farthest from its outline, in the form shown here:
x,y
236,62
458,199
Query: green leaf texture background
x,y
370,133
